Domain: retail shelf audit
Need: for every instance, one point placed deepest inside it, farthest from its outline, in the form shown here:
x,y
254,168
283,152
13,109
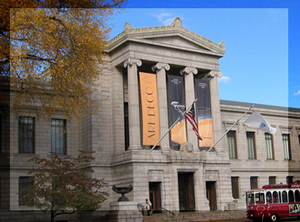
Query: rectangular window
x,y
289,179
269,146
24,183
235,187
286,146
231,138
26,134
251,145
253,182
272,180
58,136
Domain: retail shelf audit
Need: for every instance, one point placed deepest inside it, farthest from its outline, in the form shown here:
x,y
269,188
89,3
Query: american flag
x,y
190,116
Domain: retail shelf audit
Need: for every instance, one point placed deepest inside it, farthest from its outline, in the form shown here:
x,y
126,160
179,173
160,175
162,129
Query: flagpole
x,y
187,110
230,128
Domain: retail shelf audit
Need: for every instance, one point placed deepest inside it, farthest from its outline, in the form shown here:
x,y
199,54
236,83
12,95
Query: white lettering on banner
x,y
150,112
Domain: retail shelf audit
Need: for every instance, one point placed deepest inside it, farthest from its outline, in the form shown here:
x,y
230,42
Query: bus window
x,y
250,198
291,196
259,198
269,197
284,197
275,197
297,195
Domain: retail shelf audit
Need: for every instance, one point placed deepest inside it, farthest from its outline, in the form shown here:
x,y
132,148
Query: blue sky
x,y
261,41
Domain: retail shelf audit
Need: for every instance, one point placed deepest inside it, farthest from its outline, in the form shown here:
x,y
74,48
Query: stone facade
x,y
280,168
158,172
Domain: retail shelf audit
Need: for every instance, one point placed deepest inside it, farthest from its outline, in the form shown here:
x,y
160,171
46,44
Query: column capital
x,y
188,70
212,74
160,66
131,61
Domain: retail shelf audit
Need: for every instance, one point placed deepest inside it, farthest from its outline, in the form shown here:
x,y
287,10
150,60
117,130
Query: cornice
x,y
241,107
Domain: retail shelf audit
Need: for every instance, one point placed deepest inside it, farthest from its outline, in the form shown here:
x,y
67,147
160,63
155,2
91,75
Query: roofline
x,y
262,106
176,28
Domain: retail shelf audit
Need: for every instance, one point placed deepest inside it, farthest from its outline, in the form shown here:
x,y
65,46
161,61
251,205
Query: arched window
x,y
291,196
269,197
275,197
284,197
297,195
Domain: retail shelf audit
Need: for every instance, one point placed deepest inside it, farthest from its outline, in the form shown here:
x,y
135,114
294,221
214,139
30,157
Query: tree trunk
x,y
52,216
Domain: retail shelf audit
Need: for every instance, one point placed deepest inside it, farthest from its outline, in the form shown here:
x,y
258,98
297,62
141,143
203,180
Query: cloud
x,y
297,93
164,17
224,79
168,21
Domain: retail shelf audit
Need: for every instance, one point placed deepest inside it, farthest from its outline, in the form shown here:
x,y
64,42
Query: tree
x,y
63,185
53,52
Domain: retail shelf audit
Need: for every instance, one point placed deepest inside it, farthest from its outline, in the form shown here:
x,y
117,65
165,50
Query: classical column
x,y
215,107
160,69
189,73
133,103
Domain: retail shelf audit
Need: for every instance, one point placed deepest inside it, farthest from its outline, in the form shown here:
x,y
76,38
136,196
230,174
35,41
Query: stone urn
x,y
122,191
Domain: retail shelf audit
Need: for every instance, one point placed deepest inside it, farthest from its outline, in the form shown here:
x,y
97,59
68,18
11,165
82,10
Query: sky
x,y
260,64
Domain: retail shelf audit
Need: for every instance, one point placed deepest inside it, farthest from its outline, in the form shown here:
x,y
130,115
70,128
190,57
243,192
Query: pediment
x,y
175,36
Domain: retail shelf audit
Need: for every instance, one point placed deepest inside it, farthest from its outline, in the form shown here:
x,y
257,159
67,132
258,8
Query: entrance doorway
x,y
211,195
155,196
186,191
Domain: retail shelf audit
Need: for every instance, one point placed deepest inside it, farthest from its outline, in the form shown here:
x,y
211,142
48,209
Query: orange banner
x,y
178,133
150,110
205,129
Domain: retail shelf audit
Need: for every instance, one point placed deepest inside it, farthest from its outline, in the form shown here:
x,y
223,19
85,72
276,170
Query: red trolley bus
x,y
273,202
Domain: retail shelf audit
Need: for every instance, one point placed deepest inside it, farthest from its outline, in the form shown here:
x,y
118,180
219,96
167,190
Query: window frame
x,y
24,127
272,179
232,151
235,187
286,143
253,182
56,139
269,140
251,145
23,185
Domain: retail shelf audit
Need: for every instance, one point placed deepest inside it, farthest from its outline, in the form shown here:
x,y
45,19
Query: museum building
x,y
149,77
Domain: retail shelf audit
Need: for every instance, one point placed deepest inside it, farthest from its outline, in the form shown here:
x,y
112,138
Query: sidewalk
x,y
206,216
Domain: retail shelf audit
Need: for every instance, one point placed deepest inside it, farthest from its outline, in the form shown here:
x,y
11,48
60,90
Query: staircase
x,y
159,217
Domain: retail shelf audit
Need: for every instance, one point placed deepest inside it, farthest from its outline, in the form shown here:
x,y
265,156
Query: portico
x,y
172,55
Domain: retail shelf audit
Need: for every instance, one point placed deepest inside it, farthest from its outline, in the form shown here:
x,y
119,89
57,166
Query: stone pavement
x,y
197,216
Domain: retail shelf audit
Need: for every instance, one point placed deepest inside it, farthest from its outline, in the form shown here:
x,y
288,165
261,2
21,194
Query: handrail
x,y
168,211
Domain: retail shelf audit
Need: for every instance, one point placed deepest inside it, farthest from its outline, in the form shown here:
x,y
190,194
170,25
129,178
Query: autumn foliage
x,y
52,51
64,185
